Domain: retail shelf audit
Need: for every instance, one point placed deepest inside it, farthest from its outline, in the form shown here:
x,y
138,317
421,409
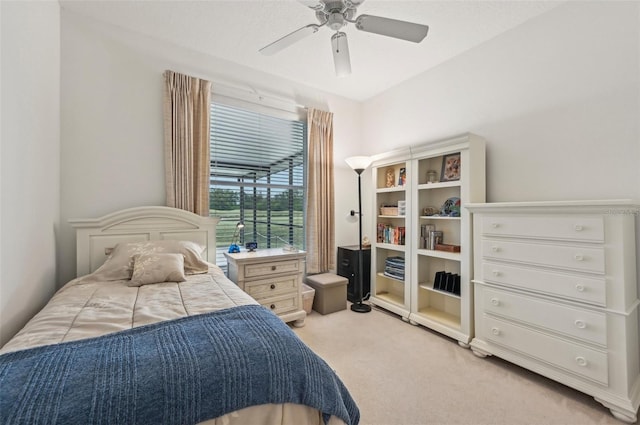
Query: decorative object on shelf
x,y
430,211
234,246
450,167
391,177
359,164
447,282
402,176
402,208
432,176
451,207
365,241
251,246
447,247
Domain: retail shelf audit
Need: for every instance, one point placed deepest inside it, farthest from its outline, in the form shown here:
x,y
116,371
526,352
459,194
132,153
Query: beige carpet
x,y
401,374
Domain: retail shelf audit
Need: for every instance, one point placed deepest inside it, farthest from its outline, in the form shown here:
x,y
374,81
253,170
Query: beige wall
x,y
30,152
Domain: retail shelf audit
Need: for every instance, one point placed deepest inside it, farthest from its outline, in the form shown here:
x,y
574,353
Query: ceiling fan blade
x,y
340,48
392,28
313,4
289,39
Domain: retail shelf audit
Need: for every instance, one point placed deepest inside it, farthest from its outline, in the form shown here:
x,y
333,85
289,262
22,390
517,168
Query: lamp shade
x,y
358,163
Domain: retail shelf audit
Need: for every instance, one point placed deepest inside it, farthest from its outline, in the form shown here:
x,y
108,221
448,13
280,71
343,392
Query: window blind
x,y
258,176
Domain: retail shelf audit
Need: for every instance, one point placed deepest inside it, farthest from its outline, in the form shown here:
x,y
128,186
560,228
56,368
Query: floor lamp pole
x,y
358,306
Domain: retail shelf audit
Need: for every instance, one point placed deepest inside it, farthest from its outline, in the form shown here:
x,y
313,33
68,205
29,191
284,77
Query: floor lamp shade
x,y
359,164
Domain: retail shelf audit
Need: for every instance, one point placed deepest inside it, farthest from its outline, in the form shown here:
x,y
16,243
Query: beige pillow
x,y
157,268
119,265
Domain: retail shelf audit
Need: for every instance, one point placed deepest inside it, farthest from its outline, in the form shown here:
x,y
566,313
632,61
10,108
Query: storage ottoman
x,y
331,292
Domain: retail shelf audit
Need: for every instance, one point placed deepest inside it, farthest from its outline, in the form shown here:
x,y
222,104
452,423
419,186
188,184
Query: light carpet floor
x,y
400,374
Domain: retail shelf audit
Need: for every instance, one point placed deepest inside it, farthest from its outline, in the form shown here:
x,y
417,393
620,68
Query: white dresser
x,y
273,277
556,291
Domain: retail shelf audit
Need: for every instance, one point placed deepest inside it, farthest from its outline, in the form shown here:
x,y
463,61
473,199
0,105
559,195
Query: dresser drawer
x,y
579,323
590,290
580,360
267,269
589,259
281,304
272,286
576,228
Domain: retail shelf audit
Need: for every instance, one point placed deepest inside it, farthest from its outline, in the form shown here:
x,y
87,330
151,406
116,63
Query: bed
x,y
153,332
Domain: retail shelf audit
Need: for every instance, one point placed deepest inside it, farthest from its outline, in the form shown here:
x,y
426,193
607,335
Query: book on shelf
x,y
390,234
394,267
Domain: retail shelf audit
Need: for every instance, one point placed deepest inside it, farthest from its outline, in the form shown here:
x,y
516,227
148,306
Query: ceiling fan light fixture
x,y
340,48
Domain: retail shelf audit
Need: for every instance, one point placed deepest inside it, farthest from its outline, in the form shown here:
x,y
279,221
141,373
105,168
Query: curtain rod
x,y
255,96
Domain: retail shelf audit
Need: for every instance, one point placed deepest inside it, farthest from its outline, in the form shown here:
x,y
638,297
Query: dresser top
x,y
269,254
610,206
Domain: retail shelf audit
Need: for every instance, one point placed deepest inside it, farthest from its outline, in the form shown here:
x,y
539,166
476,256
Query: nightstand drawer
x,y
267,269
272,286
580,258
579,323
571,228
280,304
590,290
578,359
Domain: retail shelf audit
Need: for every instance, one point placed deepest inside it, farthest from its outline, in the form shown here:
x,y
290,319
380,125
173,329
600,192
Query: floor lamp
x,y
359,164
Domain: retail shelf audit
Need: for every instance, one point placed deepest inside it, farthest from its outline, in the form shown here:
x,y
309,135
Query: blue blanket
x,y
177,372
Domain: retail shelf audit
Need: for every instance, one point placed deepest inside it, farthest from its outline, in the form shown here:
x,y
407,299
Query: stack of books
x,y
394,267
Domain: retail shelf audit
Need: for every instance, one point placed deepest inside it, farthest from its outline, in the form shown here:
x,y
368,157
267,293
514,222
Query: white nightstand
x,y
273,277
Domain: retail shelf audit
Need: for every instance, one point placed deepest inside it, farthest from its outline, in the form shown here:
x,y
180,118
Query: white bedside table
x,y
273,277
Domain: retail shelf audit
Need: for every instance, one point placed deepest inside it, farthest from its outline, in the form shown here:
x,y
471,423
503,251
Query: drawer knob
x,y
578,227
273,267
495,301
495,331
273,306
497,273
495,248
581,361
495,225
580,324
579,287
273,286
578,257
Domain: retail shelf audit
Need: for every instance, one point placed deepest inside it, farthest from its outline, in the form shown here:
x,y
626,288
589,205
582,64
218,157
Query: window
x,y
258,176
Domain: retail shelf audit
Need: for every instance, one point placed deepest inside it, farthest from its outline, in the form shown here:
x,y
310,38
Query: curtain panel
x,y
320,226
186,142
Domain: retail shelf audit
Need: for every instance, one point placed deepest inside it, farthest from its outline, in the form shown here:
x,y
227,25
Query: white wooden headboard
x,y
96,237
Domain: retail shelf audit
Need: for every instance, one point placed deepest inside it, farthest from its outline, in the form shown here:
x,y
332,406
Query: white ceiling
x,y
236,30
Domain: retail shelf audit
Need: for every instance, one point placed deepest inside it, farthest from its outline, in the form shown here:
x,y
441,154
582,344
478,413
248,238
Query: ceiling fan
x,y
335,14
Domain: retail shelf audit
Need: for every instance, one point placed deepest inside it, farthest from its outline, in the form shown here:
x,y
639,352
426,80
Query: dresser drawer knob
x,y
578,227
579,287
580,324
272,286
495,331
497,273
578,257
581,361
495,301
495,225
273,267
272,306
495,248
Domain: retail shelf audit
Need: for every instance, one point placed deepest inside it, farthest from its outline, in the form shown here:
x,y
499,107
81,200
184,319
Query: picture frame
x,y
402,177
451,167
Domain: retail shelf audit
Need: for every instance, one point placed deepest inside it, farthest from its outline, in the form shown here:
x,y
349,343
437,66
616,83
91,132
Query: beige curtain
x,y
186,142
320,193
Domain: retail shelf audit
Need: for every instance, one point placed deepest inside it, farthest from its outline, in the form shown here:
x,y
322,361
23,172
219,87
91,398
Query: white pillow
x,y
119,265
157,268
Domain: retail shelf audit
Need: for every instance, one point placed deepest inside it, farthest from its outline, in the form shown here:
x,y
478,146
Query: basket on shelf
x,y
388,210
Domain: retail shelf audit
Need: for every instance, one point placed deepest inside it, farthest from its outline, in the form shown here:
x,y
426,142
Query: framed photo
x,y
450,167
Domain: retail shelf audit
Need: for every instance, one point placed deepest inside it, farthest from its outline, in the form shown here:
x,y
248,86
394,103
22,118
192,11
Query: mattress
x,y
86,308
